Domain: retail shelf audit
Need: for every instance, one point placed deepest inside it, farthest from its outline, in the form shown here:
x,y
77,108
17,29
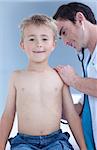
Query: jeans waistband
x,y
51,135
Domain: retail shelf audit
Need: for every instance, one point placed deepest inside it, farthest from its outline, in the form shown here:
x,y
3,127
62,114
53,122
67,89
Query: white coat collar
x,y
93,60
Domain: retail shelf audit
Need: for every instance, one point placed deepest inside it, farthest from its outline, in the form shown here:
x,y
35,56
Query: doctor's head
x,y
75,21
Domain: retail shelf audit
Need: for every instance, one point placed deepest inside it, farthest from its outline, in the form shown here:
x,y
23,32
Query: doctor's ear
x,y
80,17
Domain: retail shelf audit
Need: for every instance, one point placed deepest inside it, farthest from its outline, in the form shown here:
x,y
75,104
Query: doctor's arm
x,y
84,85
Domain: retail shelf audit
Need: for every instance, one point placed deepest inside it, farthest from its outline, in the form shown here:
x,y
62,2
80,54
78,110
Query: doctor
x,y
77,28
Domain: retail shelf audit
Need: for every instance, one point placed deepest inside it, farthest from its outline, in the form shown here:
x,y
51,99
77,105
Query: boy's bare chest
x,y
36,84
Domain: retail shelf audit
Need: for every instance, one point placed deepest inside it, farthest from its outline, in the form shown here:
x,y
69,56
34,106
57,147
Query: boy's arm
x,y
7,118
78,108
72,117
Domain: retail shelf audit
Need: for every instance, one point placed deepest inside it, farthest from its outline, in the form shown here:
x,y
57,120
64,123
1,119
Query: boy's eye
x,y
31,39
44,39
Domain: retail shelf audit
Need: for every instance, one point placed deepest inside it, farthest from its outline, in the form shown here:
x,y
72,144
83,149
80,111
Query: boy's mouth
x,y
39,51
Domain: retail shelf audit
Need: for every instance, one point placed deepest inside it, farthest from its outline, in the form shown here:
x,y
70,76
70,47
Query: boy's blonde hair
x,y
38,20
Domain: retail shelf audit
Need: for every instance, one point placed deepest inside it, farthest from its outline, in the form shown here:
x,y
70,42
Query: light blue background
x,y
11,56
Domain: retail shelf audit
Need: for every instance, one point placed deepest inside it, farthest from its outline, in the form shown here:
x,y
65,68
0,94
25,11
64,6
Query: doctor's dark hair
x,y
68,12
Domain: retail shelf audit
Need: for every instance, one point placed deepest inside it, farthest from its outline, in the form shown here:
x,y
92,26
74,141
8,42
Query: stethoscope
x,y
81,59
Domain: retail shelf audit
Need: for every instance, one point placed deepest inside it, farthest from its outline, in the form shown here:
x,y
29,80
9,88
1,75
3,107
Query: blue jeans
x,y
54,141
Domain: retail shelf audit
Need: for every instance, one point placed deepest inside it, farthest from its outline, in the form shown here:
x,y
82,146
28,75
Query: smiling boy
x,y
38,95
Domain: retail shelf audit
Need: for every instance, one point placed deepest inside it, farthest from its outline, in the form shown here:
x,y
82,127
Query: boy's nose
x,y
39,43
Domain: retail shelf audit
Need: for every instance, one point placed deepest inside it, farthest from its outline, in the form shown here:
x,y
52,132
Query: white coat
x,y
92,72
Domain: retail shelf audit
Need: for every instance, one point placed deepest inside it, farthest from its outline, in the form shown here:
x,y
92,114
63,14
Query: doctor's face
x,y
71,34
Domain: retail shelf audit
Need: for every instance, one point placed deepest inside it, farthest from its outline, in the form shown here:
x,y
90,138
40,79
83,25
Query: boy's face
x,y
38,42
72,34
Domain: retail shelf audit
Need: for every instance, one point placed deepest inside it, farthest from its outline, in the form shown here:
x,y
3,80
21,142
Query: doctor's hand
x,y
67,74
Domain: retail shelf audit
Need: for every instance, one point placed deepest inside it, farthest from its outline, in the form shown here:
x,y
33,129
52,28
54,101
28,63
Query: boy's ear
x,y
54,45
79,17
21,45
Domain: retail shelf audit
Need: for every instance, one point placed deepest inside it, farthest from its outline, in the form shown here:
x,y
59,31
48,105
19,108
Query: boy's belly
x,y
39,121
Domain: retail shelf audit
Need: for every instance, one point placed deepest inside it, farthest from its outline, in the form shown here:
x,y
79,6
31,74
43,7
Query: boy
x,y
37,95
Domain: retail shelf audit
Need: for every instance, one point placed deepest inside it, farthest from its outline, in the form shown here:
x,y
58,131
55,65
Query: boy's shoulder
x,y
16,73
56,72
